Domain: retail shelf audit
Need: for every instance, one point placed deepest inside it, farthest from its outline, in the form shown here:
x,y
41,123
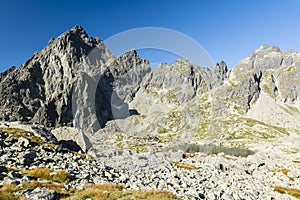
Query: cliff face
x,y
76,82
184,103
40,90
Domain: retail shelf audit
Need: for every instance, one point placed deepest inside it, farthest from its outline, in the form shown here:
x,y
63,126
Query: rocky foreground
x,y
272,169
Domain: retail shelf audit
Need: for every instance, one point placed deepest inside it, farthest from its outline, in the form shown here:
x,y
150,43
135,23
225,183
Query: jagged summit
x,y
41,89
263,49
75,31
267,57
177,98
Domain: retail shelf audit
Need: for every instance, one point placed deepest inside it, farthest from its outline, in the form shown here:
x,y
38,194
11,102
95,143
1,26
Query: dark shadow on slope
x,y
109,106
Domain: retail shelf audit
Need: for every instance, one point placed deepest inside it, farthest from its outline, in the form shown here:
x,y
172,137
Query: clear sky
x,y
228,29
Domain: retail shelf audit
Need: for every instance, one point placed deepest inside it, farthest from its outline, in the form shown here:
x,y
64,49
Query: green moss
x,y
233,84
239,109
289,69
17,133
293,109
175,114
286,110
251,122
267,90
61,177
171,96
162,130
44,173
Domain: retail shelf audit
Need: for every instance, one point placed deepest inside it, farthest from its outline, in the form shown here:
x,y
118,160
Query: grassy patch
x,y
267,90
92,191
83,155
184,166
296,161
111,191
251,122
233,84
162,130
239,109
7,192
289,69
99,192
17,133
59,188
44,173
290,191
293,109
289,151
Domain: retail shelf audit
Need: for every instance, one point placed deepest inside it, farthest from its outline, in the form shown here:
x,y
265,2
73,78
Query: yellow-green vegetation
x,y
169,97
111,191
174,119
99,192
290,191
138,147
267,84
293,109
252,122
290,109
233,84
185,166
7,192
267,90
16,132
296,161
162,130
289,151
45,173
202,129
83,155
175,114
252,130
289,69
58,187
239,109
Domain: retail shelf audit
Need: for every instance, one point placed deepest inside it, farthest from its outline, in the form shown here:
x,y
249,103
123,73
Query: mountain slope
x,y
119,103
183,103
41,90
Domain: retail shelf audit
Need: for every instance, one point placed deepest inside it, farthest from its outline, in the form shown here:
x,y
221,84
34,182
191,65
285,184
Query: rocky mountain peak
x,y
264,49
41,89
77,31
220,68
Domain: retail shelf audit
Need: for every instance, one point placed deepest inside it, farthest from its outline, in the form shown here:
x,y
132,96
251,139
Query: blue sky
x,y
229,30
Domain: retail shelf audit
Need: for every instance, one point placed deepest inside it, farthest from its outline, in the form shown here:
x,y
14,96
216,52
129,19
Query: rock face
x,y
184,103
40,90
76,87
140,127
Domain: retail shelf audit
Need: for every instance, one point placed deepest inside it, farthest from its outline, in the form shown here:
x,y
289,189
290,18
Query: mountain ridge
x,y
167,99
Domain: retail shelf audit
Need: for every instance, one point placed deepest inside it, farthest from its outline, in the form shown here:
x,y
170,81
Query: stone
x,y
40,194
41,91
3,169
23,142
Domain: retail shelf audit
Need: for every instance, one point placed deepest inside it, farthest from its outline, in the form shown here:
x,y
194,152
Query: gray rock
x,y
23,142
3,169
40,194
40,90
